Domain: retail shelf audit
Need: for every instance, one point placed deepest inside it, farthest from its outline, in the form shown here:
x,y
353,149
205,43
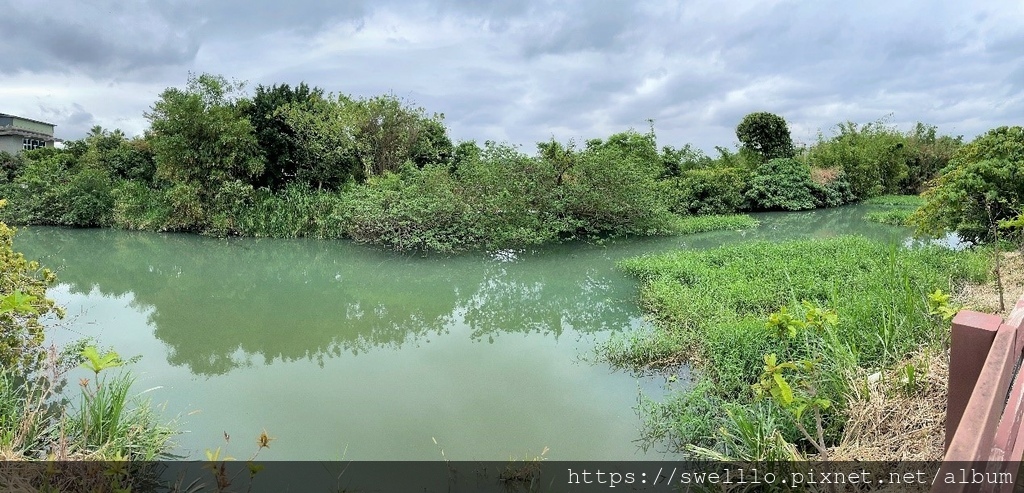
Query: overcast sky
x,y
523,72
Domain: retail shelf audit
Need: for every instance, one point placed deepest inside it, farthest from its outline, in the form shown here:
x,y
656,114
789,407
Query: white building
x,y
19,134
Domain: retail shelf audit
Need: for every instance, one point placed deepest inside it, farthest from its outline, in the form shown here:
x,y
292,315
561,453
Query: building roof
x,y
26,119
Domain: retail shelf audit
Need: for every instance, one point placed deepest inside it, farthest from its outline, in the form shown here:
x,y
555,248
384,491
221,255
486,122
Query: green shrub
x,y
513,199
892,217
139,207
873,156
612,189
86,199
10,166
188,212
983,184
832,192
229,203
782,184
293,212
707,191
414,210
929,154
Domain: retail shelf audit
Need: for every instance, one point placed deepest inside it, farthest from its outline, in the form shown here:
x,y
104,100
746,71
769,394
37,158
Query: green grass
x,y
896,200
702,224
892,217
710,308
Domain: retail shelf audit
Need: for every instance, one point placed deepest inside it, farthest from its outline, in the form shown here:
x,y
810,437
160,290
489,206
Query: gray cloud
x,y
527,70
103,38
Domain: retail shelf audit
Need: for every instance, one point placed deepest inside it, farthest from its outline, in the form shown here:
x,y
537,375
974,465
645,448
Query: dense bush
x,y
782,184
929,154
10,166
612,189
982,185
831,188
412,210
707,191
292,161
86,199
874,158
677,161
137,206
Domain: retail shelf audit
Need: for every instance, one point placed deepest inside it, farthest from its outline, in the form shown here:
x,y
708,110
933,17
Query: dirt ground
x,y
896,418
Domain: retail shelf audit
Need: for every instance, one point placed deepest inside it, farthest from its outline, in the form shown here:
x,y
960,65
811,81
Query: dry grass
x,y
985,297
888,420
824,176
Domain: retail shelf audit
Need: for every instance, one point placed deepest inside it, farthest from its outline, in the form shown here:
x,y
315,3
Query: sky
x,y
527,71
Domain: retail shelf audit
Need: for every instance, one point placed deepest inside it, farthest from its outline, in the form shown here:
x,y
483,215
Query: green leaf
x,y
785,391
97,363
17,302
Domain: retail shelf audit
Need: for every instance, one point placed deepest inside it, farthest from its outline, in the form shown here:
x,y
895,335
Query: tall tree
x,y
201,137
276,137
766,135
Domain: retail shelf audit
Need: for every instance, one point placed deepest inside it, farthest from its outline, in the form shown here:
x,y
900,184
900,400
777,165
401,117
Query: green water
x,y
341,351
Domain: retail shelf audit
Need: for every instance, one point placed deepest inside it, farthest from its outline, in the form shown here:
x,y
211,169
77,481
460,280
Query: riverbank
x,y
714,310
885,423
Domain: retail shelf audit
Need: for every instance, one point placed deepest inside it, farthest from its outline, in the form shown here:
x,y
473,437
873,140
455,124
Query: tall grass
x,y
896,200
111,424
711,307
292,213
108,423
892,217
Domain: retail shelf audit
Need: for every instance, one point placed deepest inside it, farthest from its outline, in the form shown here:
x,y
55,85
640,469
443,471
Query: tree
x,y
201,137
982,186
387,132
874,157
277,139
766,135
432,145
326,148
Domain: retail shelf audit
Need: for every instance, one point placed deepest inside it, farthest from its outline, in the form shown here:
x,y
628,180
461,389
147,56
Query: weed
x,y
709,307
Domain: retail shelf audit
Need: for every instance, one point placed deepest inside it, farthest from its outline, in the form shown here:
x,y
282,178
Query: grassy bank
x,y
894,210
710,309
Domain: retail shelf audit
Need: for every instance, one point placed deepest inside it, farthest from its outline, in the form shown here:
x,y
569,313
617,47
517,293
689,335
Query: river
x,y
346,352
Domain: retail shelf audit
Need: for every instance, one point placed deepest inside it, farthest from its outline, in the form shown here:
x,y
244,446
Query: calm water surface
x,y
342,351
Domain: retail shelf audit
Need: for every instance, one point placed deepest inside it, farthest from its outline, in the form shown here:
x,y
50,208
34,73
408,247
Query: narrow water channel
x,y
342,351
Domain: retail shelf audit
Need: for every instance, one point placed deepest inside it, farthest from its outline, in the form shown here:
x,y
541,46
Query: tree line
x,y
296,161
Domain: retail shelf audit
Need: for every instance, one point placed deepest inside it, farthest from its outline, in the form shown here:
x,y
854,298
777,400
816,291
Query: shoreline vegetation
x,y
720,311
779,334
297,162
